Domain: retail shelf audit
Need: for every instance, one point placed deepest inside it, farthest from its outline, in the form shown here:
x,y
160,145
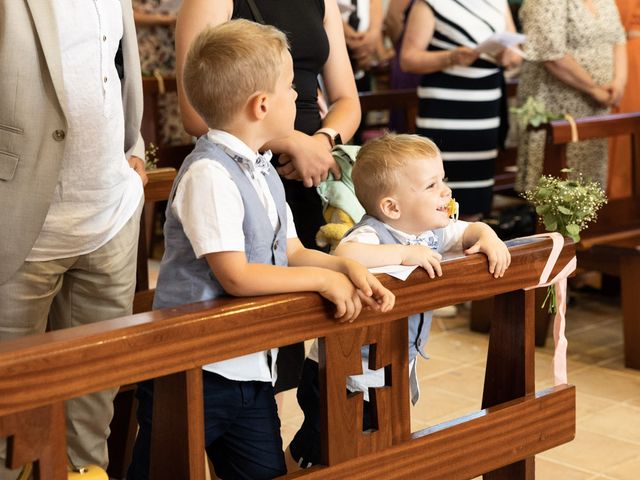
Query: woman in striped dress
x,y
460,92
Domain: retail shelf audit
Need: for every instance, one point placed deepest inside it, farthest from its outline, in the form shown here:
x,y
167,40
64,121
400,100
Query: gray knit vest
x,y
184,278
419,324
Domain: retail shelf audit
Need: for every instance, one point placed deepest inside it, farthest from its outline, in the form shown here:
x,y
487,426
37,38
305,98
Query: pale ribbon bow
x,y
560,281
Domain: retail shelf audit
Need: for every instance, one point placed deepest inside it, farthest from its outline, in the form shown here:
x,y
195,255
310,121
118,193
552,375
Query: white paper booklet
x,y
346,7
497,42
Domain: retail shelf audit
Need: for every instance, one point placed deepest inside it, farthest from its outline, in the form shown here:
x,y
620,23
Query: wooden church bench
x,y
619,220
611,244
500,441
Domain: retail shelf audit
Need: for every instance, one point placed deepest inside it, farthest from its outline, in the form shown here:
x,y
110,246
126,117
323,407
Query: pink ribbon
x,y
560,281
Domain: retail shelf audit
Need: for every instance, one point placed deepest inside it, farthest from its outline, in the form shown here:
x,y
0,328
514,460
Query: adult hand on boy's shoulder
x,y
424,256
495,249
372,293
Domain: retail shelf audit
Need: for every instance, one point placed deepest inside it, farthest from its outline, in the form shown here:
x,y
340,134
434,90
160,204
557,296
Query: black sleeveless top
x,y
302,22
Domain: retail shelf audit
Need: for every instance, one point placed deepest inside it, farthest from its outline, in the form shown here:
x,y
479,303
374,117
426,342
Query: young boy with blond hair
x,y
229,231
400,182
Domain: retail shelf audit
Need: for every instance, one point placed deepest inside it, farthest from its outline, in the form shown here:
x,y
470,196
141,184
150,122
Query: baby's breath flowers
x,y
151,157
565,206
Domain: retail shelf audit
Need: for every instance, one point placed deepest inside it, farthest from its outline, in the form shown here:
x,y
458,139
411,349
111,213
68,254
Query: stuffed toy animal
x,y
338,223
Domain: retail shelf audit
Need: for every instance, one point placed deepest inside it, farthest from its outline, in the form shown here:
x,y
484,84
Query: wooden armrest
x,y
159,186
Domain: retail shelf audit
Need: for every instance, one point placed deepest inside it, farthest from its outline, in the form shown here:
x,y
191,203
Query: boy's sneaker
x,y
446,312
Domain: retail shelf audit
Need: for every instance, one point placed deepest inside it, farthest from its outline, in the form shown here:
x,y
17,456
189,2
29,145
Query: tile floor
x,y
607,443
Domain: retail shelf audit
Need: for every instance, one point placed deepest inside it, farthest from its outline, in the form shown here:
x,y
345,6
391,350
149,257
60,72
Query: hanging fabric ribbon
x,y
574,127
560,281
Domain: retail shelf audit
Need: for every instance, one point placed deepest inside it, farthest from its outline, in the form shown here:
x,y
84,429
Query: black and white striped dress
x,y
460,106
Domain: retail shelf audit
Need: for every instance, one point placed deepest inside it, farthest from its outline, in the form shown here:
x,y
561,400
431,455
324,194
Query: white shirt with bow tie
x,y
209,205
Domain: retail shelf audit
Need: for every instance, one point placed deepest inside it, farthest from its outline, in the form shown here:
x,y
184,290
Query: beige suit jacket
x,y
33,120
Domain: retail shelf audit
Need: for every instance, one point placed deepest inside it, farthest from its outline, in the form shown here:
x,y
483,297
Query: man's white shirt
x,y
97,192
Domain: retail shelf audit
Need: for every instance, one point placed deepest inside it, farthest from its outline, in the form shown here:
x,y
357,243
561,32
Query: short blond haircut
x,y
379,165
228,63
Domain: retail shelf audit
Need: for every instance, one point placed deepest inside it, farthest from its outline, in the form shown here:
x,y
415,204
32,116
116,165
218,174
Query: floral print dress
x,y
555,28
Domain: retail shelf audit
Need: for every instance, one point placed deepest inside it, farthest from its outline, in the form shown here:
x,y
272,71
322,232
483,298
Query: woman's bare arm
x,y
193,17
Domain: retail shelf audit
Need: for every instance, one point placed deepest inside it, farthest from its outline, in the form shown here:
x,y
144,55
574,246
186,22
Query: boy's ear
x,y
258,105
390,208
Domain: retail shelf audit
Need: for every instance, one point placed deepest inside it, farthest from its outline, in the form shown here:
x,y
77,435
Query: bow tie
x,y
428,239
262,163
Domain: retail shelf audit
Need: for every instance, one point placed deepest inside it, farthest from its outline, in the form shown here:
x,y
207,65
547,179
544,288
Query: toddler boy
x,y
400,182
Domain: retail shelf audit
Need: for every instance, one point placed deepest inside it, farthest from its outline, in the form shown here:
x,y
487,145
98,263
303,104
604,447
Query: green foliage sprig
x,y
534,112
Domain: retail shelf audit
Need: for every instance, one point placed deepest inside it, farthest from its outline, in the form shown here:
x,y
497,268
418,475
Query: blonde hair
x,y
228,63
379,164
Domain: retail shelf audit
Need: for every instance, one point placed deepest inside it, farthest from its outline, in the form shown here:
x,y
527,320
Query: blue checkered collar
x,y
427,238
240,152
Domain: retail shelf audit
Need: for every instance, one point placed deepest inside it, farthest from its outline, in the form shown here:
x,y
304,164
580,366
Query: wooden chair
x,y
167,155
404,100
171,345
124,425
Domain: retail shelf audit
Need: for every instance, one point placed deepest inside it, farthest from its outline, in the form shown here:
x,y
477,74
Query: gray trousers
x,y
69,292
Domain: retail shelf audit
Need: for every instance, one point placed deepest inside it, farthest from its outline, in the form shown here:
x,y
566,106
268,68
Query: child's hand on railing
x,y
339,290
496,251
424,256
369,288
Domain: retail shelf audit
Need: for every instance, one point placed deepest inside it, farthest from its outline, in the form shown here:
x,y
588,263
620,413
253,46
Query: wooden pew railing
x,y
612,244
597,127
38,373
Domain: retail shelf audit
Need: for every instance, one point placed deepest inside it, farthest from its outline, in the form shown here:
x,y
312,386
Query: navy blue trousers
x,y
241,429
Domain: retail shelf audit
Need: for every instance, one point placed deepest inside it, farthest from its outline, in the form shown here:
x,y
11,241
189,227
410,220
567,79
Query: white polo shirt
x,y
209,205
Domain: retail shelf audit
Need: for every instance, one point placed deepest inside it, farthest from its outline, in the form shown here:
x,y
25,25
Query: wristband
x,y
334,137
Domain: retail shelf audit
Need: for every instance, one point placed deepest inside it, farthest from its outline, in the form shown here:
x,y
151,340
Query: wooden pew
x,y
38,373
123,425
612,245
